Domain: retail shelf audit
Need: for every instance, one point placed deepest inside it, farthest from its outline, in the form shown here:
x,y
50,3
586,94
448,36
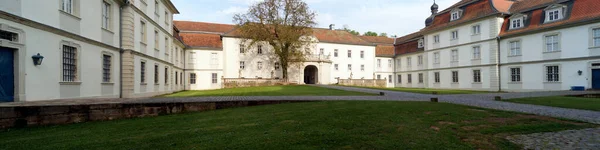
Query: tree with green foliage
x,y
370,33
383,34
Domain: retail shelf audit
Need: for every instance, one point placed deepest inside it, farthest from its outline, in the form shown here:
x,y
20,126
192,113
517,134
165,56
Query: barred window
x,y
69,63
277,66
181,78
476,76
192,78
420,77
143,72
552,74
515,74
166,75
399,79
9,36
455,76
106,68
409,78
155,74
214,78
390,78
176,78
436,77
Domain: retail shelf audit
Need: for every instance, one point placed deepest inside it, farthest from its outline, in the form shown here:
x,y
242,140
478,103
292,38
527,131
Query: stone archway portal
x,y
311,74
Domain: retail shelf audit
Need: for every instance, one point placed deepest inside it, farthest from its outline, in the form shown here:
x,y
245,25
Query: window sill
x,y
515,82
156,84
70,14
476,83
107,30
70,83
478,34
107,83
475,59
144,43
143,83
553,21
455,61
594,47
454,83
546,52
548,82
514,55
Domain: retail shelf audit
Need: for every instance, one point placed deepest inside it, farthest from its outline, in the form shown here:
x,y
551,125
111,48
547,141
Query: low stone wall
x,y
26,116
363,82
252,82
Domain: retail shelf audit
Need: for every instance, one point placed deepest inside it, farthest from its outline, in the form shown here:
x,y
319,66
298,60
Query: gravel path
x,y
570,139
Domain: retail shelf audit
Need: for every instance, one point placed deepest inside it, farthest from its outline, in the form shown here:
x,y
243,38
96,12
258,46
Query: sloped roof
x,y
202,40
338,37
581,11
384,51
407,47
409,37
378,39
472,10
203,26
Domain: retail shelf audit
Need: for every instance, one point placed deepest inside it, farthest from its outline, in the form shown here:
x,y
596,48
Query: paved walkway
x,y
570,139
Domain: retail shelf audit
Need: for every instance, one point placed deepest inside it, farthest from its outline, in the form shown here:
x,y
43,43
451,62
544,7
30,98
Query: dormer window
x,y
420,43
455,14
554,12
517,21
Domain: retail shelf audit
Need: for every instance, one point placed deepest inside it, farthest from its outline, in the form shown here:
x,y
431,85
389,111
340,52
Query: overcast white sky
x,y
395,17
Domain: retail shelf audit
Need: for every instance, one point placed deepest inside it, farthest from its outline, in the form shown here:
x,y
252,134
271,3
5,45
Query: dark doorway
x,y
311,74
7,80
596,79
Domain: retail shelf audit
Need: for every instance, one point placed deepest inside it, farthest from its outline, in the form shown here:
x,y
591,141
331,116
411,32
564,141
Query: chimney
x,y
331,26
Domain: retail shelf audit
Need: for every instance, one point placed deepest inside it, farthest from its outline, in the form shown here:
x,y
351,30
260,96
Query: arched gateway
x,y
311,74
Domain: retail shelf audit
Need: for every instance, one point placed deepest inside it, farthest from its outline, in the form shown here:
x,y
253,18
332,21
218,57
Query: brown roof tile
x,y
338,36
384,51
408,47
581,11
202,40
409,37
378,39
203,26
472,9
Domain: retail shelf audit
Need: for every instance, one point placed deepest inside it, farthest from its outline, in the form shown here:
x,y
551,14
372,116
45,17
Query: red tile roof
x,y
327,36
409,37
202,40
378,39
203,26
472,9
407,47
582,11
384,51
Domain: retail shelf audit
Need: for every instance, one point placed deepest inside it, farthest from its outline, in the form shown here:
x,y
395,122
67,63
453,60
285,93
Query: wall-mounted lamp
x,y
580,72
37,59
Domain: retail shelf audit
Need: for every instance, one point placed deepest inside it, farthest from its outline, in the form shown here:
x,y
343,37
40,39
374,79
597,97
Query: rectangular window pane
x,y
69,63
214,78
106,68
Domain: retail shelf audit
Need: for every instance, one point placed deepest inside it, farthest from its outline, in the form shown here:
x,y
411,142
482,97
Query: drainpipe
x,y
121,49
498,64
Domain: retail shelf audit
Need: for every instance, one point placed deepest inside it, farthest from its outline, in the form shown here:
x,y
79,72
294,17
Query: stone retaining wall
x,y
26,116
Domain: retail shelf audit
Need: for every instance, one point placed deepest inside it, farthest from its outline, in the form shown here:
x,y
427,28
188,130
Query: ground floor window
x,y
69,63
143,72
552,74
409,78
106,68
166,75
192,78
454,76
420,77
477,76
399,78
436,77
390,78
214,78
156,74
378,77
176,78
515,74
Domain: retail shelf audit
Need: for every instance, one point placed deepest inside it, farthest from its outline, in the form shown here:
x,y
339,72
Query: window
x,y
389,63
106,68
349,67
408,61
553,15
420,60
143,72
436,39
516,23
214,60
67,6
378,63
420,77
69,64
336,67
515,48
242,50
9,36
156,74
192,78
259,65
552,43
242,65
362,67
166,75
454,76
214,78
349,53
362,54
156,7
477,76
399,63
436,77
476,52
399,79
176,78
476,29
409,78
378,77
335,53
552,74
515,74
596,37
143,32
420,43
259,49
276,66
156,39
454,35
166,17
322,51
389,78
166,44
454,54
436,57
106,15
455,15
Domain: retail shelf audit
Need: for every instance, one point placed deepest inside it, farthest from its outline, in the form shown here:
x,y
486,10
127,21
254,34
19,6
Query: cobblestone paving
x,y
570,139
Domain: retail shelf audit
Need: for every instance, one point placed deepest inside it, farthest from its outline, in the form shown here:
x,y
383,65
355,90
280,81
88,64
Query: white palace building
x,y
80,49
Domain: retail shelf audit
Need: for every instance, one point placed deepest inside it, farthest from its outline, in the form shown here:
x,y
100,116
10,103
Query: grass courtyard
x,y
290,90
429,91
562,101
312,125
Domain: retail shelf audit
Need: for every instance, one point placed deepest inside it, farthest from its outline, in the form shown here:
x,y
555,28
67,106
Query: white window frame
x,y
336,67
476,76
362,54
259,65
378,63
399,78
259,49
553,76
408,61
214,60
436,57
514,48
476,29
242,65
420,43
143,33
595,38
349,67
476,52
409,78
156,36
552,43
454,35
335,53
362,67
455,76
420,60
192,78
454,55
276,66
517,23
74,71
455,14
554,14
214,78
436,77
349,53
421,78
390,63
68,6
515,74
106,15
436,39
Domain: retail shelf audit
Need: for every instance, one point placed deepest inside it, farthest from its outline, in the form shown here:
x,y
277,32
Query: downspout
x,y
121,50
498,64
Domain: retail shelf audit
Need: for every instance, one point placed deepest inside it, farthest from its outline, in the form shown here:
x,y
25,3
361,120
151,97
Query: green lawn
x,y
562,101
429,91
311,125
269,91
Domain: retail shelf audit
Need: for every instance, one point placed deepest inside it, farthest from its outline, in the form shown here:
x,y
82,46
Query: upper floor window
x,y
378,63
454,35
398,63
362,67
259,49
167,17
552,43
454,54
156,7
362,54
67,6
476,52
143,32
420,60
516,23
408,61
554,12
436,39
476,29
596,37
335,53
436,57
322,51
214,60
106,13
156,39
335,66
277,66
389,63
349,53
420,44
455,15
515,48
242,48
259,65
